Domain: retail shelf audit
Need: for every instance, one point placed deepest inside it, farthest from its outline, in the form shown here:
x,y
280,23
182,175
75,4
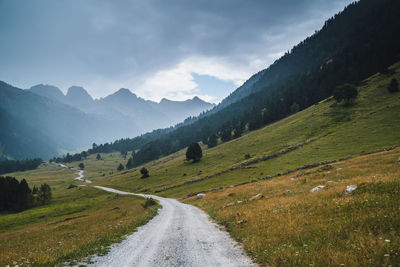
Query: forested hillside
x,y
354,44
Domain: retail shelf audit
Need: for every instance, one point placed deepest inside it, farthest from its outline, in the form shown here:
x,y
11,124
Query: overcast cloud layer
x,y
150,47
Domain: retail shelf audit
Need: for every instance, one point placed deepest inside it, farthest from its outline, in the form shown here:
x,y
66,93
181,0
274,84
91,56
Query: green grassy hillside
x,y
335,131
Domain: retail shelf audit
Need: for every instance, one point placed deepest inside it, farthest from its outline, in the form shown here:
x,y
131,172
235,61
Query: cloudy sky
x,y
157,48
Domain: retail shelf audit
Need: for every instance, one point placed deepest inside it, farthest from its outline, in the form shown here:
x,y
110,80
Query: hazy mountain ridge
x,y
42,121
145,114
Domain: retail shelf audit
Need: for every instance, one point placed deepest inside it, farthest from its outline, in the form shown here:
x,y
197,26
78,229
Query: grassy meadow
x,y
79,222
97,169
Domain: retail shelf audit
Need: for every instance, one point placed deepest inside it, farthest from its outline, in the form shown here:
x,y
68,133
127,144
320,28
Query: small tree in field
x,y
44,194
346,92
393,86
194,152
144,172
120,167
81,166
98,157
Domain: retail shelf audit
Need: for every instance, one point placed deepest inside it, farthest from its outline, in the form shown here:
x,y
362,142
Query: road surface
x,y
180,235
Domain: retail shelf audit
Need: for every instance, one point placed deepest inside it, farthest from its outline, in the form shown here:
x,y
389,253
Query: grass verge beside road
x,y
79,222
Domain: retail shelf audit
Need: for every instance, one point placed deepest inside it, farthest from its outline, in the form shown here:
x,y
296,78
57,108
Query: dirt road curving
x,y
180,235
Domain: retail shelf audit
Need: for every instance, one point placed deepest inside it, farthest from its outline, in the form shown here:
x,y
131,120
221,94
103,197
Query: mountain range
x,y
43,122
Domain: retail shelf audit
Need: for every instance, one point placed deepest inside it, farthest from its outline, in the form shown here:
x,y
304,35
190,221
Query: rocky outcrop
x,y
201,195
349,189
317,188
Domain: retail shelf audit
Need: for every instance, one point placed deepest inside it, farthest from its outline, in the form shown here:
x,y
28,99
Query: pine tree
x,y
120,167
212,141
24,195
144,172
194,152
129,164
44,194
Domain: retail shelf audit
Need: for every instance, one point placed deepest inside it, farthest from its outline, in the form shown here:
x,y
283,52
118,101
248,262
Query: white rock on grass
x,y
201,195
317,188
349,189
260,195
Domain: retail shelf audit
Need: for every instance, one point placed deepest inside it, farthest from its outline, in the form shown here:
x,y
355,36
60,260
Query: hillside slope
x,y
18,140
329,130
353,45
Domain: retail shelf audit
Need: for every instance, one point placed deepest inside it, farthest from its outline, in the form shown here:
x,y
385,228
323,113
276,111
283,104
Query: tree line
x,y
8,166
17,196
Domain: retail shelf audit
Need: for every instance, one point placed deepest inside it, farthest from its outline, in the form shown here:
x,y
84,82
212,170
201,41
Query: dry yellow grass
x,y
292,226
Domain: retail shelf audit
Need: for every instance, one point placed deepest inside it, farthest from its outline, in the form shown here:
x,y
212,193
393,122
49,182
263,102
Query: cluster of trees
x,y
353,45
70,158
346,92
17,196
8,166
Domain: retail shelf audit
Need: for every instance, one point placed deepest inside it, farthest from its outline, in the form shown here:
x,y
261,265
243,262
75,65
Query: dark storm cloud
x,y
104,44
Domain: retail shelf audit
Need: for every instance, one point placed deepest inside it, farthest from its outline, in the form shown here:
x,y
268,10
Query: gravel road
x,y
180,235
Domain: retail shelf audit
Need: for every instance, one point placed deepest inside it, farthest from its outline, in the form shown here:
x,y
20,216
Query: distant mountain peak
x,y
194,99
78,91
164,100
124,91
49,91
77,96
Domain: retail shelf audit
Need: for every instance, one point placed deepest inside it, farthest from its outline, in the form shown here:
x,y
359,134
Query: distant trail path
x,y
80,176
180,235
